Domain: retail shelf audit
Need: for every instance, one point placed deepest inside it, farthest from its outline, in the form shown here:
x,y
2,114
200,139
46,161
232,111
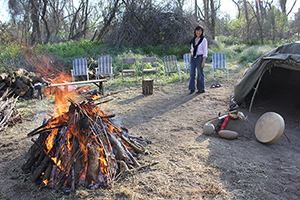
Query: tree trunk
x,y
196,9
86,15
213,19
73,23
259,22
247,21
283,6
36,36
45,21
108,20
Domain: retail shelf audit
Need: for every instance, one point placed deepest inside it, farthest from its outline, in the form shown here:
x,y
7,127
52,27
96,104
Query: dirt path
x,y
191,165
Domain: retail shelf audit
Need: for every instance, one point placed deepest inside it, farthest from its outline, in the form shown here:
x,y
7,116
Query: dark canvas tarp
x,y
288,52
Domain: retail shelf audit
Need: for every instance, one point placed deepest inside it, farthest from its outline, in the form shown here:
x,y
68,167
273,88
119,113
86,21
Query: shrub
x,y
228,40
252,53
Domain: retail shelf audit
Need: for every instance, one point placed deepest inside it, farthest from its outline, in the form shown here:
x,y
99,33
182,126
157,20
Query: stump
x,y
147,86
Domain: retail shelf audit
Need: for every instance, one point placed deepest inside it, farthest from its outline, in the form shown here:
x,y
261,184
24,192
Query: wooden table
x,y
98,82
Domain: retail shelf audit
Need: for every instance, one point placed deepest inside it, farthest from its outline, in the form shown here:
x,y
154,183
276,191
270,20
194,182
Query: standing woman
x,y
198,56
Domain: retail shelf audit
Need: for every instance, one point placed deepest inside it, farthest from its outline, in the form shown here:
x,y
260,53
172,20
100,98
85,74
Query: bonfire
x,y
82,146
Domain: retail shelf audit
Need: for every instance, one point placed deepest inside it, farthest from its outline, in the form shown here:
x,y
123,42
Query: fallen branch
x,y
8,111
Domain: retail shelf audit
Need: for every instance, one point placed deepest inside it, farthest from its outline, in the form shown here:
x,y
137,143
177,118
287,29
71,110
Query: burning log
x,y
82,147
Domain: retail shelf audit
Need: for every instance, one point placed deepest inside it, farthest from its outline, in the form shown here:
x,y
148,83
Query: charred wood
x,y
119,150
47,172
138,149
39,170
135,162
94,159
108,116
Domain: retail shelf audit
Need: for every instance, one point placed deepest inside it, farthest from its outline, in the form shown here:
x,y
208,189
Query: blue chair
x,y
187,62
170,65
80,68
219,63
105,67
129,62
150,69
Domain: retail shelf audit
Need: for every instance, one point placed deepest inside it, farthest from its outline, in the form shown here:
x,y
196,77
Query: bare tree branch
x,y
291,8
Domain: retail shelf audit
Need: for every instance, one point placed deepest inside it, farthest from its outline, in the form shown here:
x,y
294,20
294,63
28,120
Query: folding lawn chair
x,y
105,67
129,62
170,65
80,68
187,62
151,68
219,62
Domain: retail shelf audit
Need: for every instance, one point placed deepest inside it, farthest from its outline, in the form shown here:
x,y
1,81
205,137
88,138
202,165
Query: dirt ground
x,y
191,165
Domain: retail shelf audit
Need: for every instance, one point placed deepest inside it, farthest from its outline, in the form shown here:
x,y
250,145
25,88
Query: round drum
x,y
269,127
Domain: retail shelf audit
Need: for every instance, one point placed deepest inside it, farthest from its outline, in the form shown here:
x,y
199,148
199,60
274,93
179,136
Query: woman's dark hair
x,y
197,28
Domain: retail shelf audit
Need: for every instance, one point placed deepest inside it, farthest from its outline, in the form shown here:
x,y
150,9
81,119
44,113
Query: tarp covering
x,y
288,52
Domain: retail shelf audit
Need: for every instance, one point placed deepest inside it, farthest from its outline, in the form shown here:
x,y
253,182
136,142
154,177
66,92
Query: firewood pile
x,y
21,83
9,114
82,147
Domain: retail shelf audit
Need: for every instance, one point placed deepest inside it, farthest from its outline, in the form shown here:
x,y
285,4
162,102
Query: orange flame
x,y
62,94
83,175
49,140
103,162
46,182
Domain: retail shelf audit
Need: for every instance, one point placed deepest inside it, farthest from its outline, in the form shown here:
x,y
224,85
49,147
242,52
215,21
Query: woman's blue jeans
x,y
196,64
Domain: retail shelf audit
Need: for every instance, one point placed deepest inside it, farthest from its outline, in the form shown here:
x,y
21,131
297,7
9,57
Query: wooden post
x,y
147,86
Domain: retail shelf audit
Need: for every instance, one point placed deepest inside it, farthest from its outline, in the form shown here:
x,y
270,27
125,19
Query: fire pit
x,y
82,147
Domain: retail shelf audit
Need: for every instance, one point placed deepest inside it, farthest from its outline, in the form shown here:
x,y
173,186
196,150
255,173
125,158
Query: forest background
x,y
67,29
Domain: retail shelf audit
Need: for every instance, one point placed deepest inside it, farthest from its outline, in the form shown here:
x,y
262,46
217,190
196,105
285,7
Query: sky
x,y
3,10
227,6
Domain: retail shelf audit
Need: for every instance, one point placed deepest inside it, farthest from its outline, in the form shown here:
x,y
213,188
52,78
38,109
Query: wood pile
x,y
20,83
9,114
82,147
